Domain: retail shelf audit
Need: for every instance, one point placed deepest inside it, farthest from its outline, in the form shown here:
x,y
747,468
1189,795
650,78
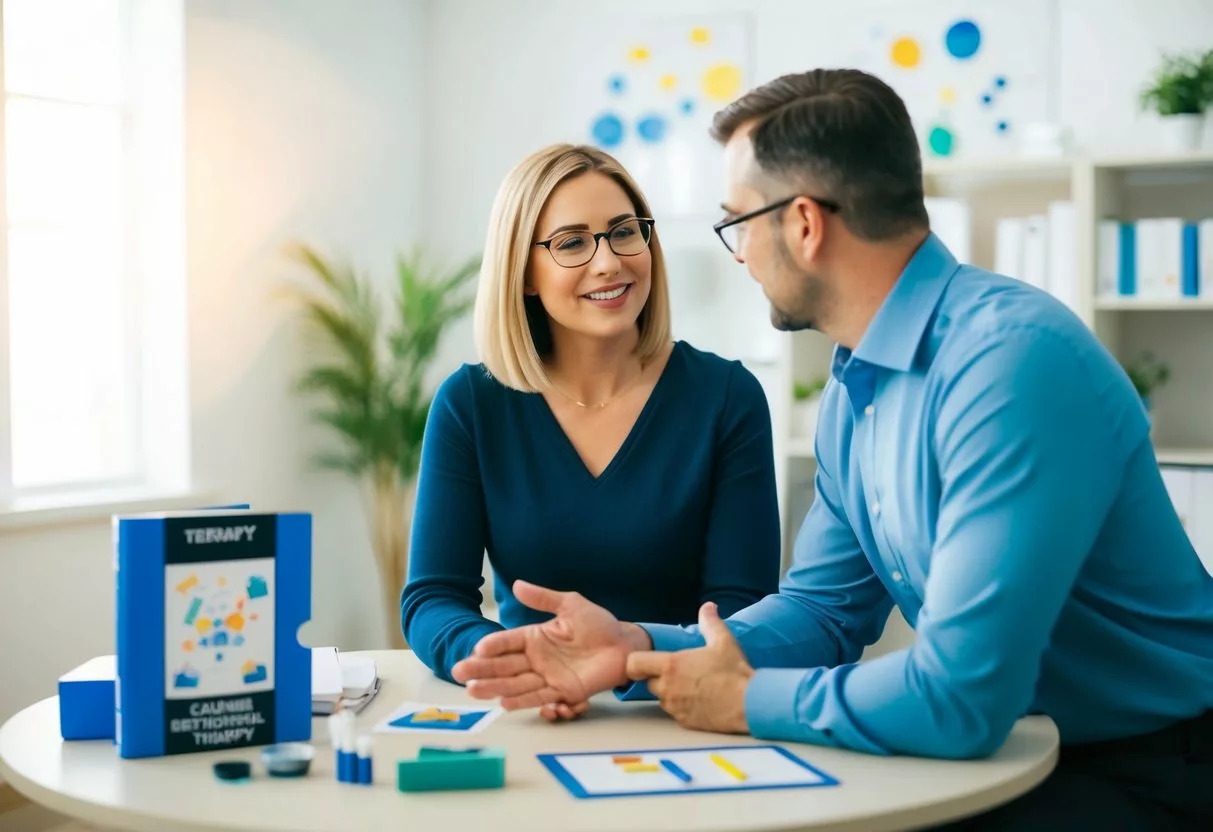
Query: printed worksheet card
x,y
438,719
683,771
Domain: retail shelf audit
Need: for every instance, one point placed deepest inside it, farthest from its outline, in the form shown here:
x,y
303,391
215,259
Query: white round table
x,y
87,780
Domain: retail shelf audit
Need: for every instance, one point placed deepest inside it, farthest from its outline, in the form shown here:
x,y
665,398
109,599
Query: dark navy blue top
x,y
684,513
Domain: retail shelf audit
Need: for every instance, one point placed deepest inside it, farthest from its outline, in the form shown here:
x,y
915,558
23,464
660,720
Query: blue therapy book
x,y
209,606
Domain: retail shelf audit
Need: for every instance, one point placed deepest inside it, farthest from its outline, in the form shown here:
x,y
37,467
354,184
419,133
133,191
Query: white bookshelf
x,y
1179,332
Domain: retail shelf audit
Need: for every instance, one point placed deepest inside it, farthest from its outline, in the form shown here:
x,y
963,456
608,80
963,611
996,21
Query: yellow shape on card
x,y
435,715
668,82
188,584
700,35
640,768
202,625
639,54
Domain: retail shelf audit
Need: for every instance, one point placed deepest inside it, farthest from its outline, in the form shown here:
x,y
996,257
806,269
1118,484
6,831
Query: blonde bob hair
x,y
512,331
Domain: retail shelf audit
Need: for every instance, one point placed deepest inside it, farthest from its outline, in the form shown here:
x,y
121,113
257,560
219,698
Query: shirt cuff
x,y
770,706
635,692
668,638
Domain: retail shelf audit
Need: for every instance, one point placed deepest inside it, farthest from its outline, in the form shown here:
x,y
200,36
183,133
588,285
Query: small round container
x,y
232,771
289,759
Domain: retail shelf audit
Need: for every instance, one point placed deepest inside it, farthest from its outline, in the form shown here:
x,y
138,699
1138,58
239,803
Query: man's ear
x,y
806,228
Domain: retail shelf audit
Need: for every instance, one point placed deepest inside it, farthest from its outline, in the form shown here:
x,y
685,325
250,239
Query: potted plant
x,y
805,398
368,382
1180,93
1148,374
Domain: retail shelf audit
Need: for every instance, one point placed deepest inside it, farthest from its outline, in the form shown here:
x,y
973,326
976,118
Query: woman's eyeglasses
x,y
576,248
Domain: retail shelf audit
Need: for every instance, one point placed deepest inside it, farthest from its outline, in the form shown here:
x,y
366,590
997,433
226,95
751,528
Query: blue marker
x,y
365,773
676,771
347,760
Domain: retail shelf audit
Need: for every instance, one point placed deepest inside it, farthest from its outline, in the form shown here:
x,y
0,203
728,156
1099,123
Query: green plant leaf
x,y
368,384
1182,84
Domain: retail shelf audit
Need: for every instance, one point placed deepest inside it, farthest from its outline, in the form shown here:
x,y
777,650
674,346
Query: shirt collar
x,y
892,338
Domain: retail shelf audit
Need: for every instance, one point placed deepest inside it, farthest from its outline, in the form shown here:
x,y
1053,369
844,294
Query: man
x,y
983,463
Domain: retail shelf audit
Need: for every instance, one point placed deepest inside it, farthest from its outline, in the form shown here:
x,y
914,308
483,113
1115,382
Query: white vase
x,y
1183,133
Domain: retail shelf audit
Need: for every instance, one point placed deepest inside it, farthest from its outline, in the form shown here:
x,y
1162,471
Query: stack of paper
x,y
341,679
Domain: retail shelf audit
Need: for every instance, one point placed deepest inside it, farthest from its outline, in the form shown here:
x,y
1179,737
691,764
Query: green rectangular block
x,y
441,769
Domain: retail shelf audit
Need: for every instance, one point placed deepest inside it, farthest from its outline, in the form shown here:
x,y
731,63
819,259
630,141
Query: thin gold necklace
x,y
598,405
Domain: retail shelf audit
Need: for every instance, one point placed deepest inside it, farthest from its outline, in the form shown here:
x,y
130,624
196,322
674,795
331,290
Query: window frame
x,y
151,115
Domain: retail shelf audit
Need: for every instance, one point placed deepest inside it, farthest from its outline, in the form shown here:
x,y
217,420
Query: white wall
x,y
304,122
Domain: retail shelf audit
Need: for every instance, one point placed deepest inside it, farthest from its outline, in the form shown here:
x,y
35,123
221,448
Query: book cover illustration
x,y
209,608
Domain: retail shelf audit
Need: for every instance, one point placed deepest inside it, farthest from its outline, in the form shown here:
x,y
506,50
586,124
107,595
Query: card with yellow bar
x,y
668,771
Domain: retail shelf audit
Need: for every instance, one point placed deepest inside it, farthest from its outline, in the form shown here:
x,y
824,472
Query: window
x,y
92,267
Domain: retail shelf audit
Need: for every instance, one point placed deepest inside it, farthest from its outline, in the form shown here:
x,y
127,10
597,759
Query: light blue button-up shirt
x,y
985,465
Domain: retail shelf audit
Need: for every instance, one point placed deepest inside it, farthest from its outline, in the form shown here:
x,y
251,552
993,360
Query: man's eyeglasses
x,y
576,248
729,230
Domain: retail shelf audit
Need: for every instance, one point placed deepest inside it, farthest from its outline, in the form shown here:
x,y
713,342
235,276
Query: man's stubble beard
x,y
810,295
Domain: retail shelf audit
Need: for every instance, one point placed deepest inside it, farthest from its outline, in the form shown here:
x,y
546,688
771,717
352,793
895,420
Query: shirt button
x,y
897,577
869,410
876,509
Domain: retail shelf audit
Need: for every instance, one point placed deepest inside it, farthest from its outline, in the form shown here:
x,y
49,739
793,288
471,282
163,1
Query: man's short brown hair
x,y
842,132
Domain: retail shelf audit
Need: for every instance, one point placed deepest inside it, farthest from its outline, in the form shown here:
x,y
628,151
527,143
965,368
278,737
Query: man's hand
x,y
560,663
703,689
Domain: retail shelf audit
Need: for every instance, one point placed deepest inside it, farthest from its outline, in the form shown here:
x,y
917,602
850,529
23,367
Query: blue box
x,y
86,700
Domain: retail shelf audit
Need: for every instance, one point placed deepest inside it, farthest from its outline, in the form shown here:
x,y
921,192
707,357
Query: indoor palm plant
x,y
368,380
1181,92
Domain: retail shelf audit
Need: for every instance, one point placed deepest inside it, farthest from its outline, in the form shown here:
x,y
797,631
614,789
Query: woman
x,y
587,452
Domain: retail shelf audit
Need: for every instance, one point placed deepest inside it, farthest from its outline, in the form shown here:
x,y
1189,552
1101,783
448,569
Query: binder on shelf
x,y
1190,261
209,606
1204,258
1127,251
1156,258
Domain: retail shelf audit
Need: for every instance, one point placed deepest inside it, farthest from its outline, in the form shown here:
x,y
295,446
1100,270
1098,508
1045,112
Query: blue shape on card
x,y
237,641
687,106
219,639
257,587
255,676
186,678
617,84
467,719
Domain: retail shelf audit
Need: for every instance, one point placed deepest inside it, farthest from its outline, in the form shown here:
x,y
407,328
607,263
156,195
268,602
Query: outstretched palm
x,y
582,651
